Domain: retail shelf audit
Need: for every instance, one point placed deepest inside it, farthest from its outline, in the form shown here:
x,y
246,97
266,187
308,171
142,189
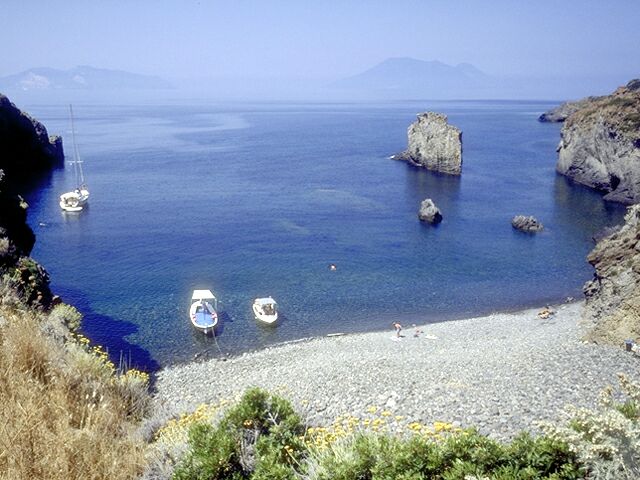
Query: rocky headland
x,y
434,144
612,311
25,143
560,113
600,144
25,150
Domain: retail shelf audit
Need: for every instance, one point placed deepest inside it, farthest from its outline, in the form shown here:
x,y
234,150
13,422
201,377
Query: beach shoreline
x,y
501,372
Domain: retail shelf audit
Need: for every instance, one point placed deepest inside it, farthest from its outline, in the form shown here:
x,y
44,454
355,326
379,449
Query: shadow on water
x,y
577,207
111,334
443,189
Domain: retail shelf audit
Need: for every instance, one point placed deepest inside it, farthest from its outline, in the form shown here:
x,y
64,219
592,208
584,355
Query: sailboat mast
x,y
76,154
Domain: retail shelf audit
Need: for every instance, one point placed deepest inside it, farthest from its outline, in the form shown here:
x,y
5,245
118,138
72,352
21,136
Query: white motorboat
x,y
75,200
202,312
265,309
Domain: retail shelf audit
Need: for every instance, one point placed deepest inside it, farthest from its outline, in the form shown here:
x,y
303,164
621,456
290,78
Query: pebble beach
x,y
501,373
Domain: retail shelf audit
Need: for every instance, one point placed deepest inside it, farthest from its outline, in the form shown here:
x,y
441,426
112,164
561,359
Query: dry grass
x,y
64,413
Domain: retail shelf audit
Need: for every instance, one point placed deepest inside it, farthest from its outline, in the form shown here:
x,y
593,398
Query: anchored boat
x,y
202,312
265,309
75,200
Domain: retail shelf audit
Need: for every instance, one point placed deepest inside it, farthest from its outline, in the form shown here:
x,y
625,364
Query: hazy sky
x,y
321,39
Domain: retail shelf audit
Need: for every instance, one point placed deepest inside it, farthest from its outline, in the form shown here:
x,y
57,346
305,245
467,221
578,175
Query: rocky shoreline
x,y
501,373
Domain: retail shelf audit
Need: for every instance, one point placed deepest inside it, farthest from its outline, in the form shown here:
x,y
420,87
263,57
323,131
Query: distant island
x,y
405,77
82,77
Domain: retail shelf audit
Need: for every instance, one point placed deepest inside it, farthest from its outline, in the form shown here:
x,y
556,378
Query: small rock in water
x,y
526,224
429,212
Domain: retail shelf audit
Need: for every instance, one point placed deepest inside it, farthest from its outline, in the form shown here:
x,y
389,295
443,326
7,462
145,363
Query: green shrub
x,y
66,315
259,436
459,456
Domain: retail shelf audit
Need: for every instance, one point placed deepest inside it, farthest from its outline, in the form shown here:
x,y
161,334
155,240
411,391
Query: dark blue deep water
x,y
257,200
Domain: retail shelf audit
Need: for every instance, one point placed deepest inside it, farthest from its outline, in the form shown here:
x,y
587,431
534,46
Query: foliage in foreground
x,y
65,412
263,438
606,440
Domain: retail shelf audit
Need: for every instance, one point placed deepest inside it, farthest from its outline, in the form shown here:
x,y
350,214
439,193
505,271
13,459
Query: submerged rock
x,y
434,144
526,224
429,212
600,145
612,309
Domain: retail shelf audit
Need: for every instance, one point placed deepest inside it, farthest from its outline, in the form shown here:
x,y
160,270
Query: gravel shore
x,y
501,373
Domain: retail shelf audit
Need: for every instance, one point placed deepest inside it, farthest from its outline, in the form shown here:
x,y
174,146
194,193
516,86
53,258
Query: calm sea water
x,y
257,200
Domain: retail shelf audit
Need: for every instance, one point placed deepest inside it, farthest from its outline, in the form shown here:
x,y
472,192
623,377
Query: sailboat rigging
x,y
75,200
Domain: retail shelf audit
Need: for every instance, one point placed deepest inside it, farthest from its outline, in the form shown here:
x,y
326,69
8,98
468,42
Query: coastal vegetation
x,y
262,437
66,412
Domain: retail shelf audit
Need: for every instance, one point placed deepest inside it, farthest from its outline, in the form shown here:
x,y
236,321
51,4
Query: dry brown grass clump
x,y
65,413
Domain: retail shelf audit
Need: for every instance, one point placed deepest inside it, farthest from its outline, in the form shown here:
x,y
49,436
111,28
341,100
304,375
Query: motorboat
x,y
75,200
265,309
202,312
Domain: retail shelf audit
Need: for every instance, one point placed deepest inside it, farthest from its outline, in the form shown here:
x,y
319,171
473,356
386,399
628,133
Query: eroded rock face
x,y
526,224
600,145
429,212
434,144
612,309
25,145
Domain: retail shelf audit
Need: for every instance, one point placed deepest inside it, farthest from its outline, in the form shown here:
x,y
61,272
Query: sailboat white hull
x,y
74,201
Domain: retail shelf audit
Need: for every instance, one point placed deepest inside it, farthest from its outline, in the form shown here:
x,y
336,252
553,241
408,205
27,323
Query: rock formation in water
x,y
612,309
600,145
25,145
434,144
25,150
429,212
526,224
561,112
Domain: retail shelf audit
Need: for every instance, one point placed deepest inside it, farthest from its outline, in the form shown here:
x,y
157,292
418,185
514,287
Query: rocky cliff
x,y
25,149
600,144
562,112
612,310
25,144
434,144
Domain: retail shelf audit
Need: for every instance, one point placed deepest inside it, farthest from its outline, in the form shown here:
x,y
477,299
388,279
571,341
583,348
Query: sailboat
x,y
75,200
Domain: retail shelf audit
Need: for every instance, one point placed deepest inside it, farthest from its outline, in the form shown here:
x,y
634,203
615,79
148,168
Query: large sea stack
x,y
612,310
434,144
600,144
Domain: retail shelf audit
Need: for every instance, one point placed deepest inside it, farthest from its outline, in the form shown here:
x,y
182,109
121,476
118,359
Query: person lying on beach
x,y
546,312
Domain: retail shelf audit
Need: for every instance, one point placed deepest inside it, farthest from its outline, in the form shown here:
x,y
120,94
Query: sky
x,y
321,40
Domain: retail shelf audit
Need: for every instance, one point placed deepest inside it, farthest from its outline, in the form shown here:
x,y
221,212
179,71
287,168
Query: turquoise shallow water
x,y
257,200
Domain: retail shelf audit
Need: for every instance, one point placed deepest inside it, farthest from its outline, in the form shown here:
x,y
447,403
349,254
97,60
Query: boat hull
x,y
260,315
74,201
203,316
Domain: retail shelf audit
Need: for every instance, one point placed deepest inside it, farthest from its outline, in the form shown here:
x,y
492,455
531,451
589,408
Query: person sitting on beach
x,y
417,331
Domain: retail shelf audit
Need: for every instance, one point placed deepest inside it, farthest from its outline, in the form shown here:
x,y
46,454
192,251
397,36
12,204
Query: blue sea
x,y
252,200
